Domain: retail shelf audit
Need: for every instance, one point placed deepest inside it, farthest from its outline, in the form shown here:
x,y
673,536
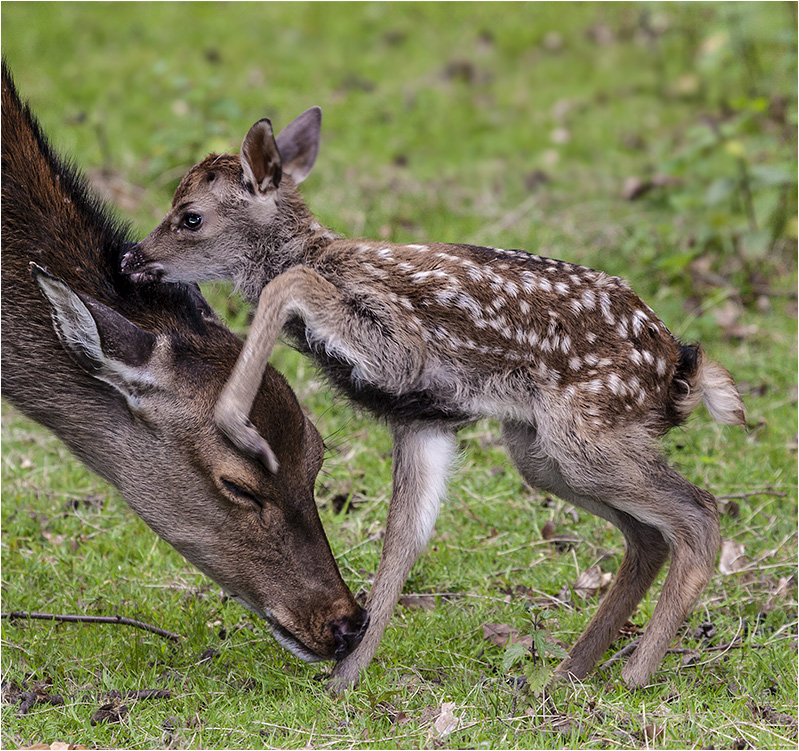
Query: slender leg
x,y
235,402
386,352
423,455
658,511
645,554
694,538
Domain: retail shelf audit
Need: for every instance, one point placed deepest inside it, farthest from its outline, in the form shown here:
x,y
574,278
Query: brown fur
x,y
128,377
580,372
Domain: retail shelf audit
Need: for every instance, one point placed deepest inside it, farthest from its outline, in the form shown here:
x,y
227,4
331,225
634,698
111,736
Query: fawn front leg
x,y
383,346
275,305
423,455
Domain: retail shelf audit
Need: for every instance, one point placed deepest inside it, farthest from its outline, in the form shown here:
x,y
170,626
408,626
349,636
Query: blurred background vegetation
x,y
654,136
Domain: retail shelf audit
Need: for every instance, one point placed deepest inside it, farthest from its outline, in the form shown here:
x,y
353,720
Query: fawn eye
x,y
239,493
192,220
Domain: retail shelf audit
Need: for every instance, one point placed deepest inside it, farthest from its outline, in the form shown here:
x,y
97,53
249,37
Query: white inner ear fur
x,y
73,321
78,331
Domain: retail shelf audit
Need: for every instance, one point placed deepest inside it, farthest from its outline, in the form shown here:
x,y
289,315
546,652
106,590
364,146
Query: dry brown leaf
x,y
732,559
423,602
502,635
635,187
548,530
783,589
591,581
446,722
498,633
650,733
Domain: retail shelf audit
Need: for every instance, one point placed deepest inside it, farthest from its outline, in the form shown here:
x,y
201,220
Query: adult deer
x,y
581,373
128,376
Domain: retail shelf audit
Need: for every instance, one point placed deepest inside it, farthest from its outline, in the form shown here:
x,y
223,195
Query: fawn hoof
x,y
635,678
244,436
345,676
338,685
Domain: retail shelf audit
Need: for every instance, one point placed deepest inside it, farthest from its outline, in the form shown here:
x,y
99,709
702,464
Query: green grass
x,y
507,124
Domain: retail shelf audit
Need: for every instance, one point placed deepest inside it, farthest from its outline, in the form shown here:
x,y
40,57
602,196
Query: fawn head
x,y
227,203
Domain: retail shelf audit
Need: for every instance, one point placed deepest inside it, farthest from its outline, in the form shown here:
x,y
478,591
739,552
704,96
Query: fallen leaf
x,y
446,722
783,589
772,716
560,136
649,733
502,635
635,187
552,41
548,530
591,581
732,559
498,633
601,34
423,602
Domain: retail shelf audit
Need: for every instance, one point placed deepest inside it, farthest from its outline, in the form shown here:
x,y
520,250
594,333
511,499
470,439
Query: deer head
x,y
225,200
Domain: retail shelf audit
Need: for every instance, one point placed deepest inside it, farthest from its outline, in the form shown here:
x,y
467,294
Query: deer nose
x,y
348,632
131,257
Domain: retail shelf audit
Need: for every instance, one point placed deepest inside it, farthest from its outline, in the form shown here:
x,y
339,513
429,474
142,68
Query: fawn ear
x,y
299,144
260,157
103,342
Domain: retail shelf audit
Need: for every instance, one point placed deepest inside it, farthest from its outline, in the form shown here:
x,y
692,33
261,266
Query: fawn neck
x,y
293,237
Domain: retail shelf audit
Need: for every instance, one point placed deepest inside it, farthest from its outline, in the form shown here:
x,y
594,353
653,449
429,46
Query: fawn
x,y
581,374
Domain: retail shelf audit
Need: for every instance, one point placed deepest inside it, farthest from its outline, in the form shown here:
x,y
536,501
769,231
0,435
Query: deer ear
x,y
299,144
101,341
260,157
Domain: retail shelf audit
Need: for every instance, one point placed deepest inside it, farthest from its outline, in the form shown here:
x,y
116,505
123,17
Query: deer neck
x,y
295,238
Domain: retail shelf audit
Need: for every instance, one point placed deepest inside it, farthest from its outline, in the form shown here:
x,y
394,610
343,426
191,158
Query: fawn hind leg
x,y
694,537
657,511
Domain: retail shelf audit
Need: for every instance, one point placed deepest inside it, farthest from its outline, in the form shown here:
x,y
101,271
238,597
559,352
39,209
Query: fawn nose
x,y
131,257
348,632
137,267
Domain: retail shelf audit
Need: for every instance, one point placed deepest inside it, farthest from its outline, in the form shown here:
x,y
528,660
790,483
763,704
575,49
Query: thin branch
x,y
735,643
94,619
749,494
623,652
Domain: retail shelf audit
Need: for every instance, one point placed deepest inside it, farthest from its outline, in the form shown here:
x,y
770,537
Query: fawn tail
x,y
701,379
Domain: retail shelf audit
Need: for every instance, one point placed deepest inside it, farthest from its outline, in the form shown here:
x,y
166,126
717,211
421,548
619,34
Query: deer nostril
x,y
348,632
131,258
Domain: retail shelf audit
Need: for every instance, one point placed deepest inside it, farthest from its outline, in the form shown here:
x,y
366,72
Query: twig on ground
x,y
750,493
122,621
735,643
627,649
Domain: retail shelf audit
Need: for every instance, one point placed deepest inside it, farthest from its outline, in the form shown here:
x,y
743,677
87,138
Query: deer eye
x,y
239,493
191,220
